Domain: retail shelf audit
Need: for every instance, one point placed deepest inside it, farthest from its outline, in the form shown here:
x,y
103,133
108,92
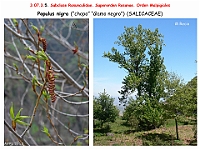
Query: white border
x,y
21,9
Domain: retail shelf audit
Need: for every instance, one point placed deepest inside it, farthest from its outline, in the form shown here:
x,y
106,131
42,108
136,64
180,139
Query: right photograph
x,y
145,82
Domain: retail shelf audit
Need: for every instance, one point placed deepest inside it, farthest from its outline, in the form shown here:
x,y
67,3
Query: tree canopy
x,y
184,100
142,60
104,109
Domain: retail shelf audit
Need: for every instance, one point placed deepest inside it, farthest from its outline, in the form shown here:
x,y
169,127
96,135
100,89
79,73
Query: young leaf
x,y
31,57
75,45
41,55
34,81
12,112
45,94
22,123
41,29
46,131
21,117
15,22
18,114
84,65
86,131
26,48
35,28
14,64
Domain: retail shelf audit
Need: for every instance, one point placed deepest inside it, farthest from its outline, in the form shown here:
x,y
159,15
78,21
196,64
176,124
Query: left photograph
x,y
46,82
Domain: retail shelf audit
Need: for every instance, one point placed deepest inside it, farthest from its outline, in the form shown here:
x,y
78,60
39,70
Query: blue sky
x,y
179,53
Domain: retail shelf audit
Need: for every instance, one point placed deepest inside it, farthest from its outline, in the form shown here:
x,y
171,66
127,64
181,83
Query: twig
x,y
29,135
25,78
66,114
84,136
34,110
48,116
70,102
16,34
23,96
29,31
20,56
17,135
66,44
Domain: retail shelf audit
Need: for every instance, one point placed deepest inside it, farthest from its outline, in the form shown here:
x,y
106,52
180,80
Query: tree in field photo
x,y
159,102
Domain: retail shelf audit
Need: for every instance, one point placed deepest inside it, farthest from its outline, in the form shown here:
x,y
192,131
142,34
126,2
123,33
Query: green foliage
x,y
18,118
41,55
41,29
34,28
12,112
104,110
35,83
184,100
31,57
181,100
46,95
46,131
144,113
14,64
145,73
15,21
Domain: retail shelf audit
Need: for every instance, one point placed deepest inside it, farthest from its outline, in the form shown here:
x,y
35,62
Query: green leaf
x,y
41,55
15,22
26,48
41,29
75,45
22,123
46,131
86,131
22,117
31,57
34,80
14,64
12,112
56,77
84,65
34,28
18,114
45,94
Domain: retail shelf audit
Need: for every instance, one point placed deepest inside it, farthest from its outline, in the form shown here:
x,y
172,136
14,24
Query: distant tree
x,y
104,109
146,73
173,83
182,101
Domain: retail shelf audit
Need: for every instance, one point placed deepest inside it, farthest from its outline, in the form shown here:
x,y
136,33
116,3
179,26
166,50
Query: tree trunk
x,y
177,137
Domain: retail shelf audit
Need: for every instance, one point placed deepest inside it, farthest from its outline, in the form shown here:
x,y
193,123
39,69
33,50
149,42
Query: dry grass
x,y
160,136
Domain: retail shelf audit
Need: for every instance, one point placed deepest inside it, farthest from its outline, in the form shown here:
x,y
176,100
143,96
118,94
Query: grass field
x,y
121,135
